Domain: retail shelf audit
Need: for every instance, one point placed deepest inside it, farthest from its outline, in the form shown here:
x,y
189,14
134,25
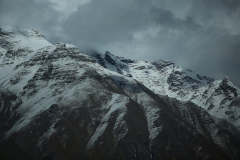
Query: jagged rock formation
x,y
59,103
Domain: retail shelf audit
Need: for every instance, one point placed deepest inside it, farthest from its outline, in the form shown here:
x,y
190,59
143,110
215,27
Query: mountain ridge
x,y
185,85
59,103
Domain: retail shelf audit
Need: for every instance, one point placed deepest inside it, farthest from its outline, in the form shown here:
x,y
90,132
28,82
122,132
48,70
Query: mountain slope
x,y
219,97
59,103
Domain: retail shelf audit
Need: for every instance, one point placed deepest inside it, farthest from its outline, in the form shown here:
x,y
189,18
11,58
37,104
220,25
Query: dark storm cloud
x,y
29,13
25,12
203,35
106,21
167,19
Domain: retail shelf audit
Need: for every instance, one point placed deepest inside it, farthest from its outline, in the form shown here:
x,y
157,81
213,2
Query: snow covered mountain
x,y
57,102
219,98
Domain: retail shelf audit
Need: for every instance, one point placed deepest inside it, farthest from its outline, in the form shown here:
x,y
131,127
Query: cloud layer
x,y
202,35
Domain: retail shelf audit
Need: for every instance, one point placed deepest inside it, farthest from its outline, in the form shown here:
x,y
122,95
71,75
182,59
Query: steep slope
x,y
58,103
17,44
219,97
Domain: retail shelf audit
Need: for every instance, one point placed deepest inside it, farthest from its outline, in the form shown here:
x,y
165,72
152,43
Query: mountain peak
x,y
162,63
226,79
14,38
107,52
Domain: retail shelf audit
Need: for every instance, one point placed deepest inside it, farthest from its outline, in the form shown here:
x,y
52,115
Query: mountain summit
x,y
57,102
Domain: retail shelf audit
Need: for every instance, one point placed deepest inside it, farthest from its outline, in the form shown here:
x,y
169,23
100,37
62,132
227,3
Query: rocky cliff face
x,y
59,103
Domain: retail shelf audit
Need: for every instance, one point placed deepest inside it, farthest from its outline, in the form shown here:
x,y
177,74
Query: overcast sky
x,y
202,35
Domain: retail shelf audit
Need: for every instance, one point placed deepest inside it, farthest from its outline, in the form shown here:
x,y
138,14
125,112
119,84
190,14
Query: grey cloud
x,y
168,19
106,21
217,13
230,6
29,13
25,12
202,35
